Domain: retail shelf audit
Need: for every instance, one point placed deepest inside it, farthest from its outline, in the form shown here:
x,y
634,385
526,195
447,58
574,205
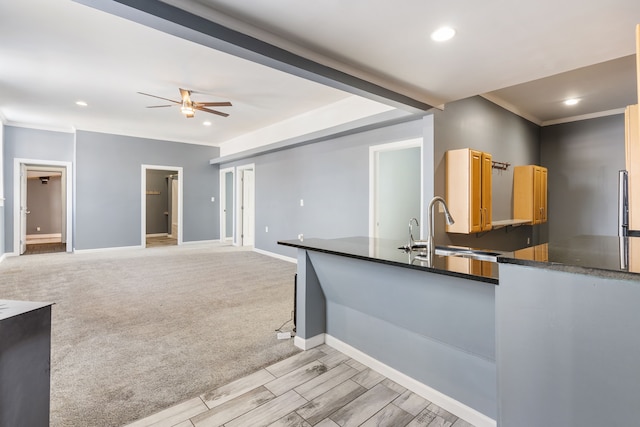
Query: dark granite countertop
x,y
386,251
605,256
11,308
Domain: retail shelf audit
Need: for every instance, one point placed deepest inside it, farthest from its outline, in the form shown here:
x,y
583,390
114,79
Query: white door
x,y
175,191
248,207
226,205
23,208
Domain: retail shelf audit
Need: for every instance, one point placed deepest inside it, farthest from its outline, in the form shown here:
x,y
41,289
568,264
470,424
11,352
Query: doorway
x,y
395,188
42,207
161,222
245,202
227,205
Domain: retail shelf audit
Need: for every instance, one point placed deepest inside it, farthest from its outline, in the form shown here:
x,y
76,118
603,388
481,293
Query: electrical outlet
x,y
301,202
300,237
266,229
213,199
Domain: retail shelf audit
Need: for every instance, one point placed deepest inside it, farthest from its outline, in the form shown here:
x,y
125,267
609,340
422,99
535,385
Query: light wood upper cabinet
x,y
468,190
530,193
632,156
634,255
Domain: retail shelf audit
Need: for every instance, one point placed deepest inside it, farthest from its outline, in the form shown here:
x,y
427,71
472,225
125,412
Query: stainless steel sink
x,y
479,254
460,251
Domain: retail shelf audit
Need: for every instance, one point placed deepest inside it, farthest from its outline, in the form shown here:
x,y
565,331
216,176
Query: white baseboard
x,y
200,242
157,235
3,257
275,255
458,409
309,343
117,248
44,238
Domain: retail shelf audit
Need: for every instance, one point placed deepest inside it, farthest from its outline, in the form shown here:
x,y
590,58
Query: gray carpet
x,y
137,331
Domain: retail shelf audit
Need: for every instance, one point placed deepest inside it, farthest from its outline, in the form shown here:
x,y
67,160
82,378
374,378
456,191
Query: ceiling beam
x,y
173,20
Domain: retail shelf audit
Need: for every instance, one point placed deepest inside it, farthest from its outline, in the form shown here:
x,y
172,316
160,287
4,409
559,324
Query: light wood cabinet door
x,y
543,194
476,191
534,253
632,156
468,190
487,167
530,193
634,255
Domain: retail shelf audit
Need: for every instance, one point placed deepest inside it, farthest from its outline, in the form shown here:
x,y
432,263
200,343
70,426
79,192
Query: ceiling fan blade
x,y
159,106
213,104
159,97
220,113
185,94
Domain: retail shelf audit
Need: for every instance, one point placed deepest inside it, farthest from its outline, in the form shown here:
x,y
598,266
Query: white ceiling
x,y
528,56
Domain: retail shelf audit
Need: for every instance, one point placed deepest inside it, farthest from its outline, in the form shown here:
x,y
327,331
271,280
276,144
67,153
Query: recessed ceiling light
x,y
443,34
81,103
207,123
572,101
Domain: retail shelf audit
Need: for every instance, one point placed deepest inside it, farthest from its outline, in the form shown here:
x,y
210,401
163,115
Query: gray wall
x,y
583,159
29,144
45,206
108,206
157,204
333,179
480,124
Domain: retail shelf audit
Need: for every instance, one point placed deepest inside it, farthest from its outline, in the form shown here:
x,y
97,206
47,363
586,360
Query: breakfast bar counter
x,y
537,337
428,326
385,251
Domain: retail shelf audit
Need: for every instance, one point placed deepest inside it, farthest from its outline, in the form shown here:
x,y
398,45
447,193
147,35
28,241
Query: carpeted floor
x,y
136,331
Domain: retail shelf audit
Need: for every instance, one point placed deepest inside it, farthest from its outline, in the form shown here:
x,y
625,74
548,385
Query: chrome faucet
x,y
431,247
411,239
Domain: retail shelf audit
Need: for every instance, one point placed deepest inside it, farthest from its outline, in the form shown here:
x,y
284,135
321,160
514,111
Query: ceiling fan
x,y
189,107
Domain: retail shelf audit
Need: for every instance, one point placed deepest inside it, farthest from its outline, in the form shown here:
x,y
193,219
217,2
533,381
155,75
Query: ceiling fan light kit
x,y
188,107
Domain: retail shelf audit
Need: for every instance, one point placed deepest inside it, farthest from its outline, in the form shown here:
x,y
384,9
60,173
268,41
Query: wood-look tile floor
x,y
45,248
156,241
318,387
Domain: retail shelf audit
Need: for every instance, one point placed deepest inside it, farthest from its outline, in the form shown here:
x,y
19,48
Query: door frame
x,y
143,200
374,150
223,203
67,190
238,240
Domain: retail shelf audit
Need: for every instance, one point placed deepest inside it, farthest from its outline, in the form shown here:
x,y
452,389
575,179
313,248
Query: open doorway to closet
x,y
42,207
161,206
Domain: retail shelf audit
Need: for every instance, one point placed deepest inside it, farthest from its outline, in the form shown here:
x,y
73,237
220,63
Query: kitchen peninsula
x,y
429,328
554,341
